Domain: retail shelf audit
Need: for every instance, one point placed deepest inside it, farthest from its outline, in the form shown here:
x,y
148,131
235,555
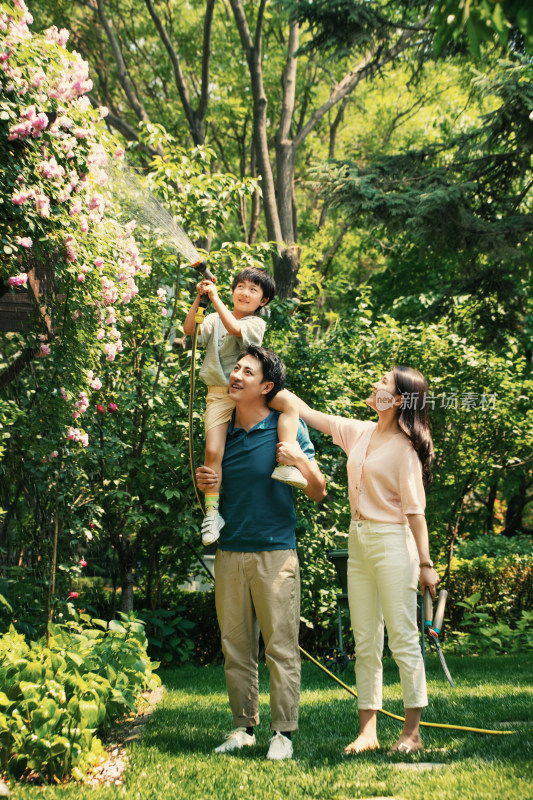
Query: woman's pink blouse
x,y
385,485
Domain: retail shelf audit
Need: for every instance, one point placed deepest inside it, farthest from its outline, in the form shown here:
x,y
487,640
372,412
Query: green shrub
x,y
483,637
96,595
169,634
199,607
55,696
504,584
494,545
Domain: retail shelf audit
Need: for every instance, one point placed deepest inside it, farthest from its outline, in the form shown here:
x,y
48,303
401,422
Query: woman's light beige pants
x,y
383,572
260,591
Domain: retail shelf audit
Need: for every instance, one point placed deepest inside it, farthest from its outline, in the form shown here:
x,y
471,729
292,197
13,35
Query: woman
x,y
388,547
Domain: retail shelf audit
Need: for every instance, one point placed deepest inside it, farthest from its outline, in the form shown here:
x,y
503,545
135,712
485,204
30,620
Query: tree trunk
x,y
515,509
491,499
125,560
286,269
126,582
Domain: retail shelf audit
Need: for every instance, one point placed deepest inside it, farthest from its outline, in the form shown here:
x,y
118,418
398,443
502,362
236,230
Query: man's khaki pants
x,y
260,591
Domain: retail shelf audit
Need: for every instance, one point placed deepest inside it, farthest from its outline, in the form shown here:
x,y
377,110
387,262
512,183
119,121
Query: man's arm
x,y
292,453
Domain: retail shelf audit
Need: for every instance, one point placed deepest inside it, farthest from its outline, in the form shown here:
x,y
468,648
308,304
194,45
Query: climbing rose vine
x,y
57,210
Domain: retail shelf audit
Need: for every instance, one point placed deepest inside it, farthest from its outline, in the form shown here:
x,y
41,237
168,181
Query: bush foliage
x,y
57,694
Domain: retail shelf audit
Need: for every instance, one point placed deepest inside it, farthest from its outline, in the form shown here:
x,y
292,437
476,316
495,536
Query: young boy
x,y
225,334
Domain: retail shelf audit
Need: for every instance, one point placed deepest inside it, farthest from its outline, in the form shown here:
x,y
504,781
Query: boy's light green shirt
x,y
223,349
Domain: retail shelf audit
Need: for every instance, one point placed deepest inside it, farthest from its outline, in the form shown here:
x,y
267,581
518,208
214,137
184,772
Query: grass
x,y
175,758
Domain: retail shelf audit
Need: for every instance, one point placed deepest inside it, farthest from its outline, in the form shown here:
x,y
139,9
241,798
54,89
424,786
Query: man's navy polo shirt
x,y
258,511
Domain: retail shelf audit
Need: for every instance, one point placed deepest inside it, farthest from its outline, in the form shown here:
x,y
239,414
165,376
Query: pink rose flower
x,y
44,349
110,350
73,595
18,280
83,563
24,241
112,407
96,384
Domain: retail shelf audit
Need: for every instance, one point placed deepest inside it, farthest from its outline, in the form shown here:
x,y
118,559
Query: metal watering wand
x,y
434,626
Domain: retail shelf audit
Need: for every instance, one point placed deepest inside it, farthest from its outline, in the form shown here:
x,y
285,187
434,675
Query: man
x,y
257,580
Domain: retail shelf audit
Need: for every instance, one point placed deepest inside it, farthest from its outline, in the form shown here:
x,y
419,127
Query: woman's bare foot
x,y
407,744
361,744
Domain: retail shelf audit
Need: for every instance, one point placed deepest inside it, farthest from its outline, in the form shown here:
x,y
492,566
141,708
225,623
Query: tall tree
x,y
121,41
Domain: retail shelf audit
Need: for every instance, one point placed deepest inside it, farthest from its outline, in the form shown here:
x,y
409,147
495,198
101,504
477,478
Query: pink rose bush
x,y
56,190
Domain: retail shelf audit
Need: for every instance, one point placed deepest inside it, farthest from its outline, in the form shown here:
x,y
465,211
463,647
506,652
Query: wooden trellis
x,y
23,309
19,308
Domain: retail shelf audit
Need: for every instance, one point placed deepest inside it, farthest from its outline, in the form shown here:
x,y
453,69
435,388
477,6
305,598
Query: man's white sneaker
x,y
290,475
236,740
280,747
211,526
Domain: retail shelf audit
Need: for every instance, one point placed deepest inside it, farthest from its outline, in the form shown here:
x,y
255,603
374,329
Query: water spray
x,y
125,184
136,199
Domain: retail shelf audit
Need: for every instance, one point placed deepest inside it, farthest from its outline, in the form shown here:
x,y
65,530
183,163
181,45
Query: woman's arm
x,y
315,419
428,576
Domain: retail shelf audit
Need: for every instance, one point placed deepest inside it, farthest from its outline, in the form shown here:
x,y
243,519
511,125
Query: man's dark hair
x,y
258,276
272,365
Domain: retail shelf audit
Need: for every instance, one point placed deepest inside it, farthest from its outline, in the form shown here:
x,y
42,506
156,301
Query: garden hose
x,y
192,386
397,716
201,267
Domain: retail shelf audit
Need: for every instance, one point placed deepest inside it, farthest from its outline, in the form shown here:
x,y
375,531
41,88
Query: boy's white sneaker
x,y
290,475
236,740
211,526
280,747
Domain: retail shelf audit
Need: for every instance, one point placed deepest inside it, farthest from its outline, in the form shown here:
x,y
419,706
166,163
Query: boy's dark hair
x,y
258,276
273,367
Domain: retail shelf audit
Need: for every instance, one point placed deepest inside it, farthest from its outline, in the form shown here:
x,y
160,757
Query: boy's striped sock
x,y
211,501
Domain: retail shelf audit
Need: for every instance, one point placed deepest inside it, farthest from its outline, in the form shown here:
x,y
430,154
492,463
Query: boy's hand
x,y
208,288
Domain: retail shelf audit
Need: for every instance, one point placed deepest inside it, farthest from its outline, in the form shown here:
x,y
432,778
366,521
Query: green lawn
x,y
176,759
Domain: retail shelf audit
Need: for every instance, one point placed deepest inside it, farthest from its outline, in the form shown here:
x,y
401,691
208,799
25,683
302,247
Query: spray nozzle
x,y
201,266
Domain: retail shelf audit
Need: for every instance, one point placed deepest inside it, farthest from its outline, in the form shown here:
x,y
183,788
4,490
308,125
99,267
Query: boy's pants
x,y
383,572
260,591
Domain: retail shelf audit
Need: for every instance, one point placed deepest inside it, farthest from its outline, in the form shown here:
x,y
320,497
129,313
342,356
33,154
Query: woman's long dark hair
x,y
413,415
